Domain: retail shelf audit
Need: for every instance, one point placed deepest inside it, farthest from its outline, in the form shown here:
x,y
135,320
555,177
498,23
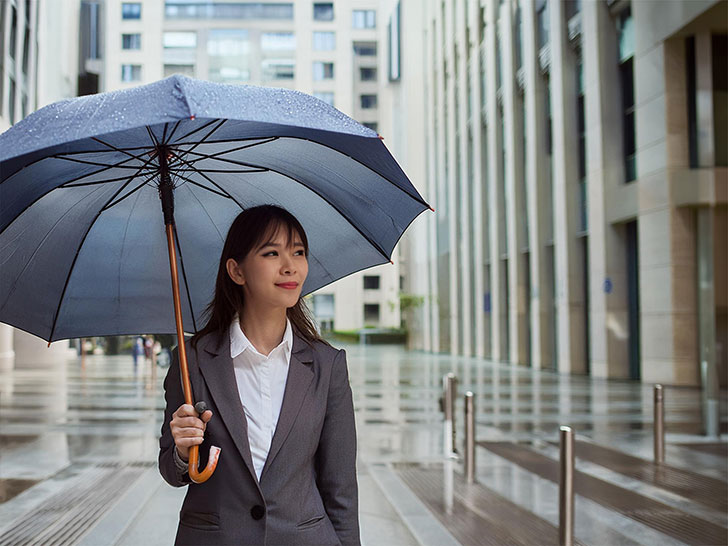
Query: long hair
x,y
251,228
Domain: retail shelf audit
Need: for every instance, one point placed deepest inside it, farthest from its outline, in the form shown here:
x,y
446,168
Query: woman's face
x,y
272,275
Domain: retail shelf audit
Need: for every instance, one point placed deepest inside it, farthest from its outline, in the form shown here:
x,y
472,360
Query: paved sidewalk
x,y
79,446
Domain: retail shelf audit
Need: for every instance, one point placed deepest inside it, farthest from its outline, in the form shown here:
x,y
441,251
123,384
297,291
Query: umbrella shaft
x,y
186,387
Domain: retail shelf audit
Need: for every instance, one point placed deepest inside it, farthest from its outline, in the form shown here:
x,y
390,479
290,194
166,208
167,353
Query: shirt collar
x,y
239,341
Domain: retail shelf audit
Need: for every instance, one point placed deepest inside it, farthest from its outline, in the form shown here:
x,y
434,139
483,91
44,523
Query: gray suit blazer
x,y
307,492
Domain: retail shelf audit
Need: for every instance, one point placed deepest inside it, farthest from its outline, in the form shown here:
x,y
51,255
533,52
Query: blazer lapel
x,y
217,369
300,375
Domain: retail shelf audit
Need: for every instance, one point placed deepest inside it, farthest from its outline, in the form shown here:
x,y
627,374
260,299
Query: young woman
x,y
279,400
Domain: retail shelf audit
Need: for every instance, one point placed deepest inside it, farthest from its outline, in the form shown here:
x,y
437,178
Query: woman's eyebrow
x,y
276,245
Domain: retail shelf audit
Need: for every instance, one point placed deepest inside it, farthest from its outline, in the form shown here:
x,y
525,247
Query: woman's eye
x,y
271,253
300,253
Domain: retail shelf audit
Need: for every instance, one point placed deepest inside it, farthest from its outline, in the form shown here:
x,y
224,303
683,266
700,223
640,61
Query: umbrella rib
x,y
120,199
371,242
75,257
184,275
117,166
260,170
215,155
82,184
204,187
117,149
151,135
211,181
203,139
174,130
206,125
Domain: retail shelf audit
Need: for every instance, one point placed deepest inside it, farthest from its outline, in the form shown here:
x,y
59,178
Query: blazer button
x,y
257,511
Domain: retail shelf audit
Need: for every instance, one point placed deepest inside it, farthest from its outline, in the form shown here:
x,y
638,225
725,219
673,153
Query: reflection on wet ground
x,y
65,425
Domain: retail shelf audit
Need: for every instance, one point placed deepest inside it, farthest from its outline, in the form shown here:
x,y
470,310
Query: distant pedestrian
x,y
148,346
137,350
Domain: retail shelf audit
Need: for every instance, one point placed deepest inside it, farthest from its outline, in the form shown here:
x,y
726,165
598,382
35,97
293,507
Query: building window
x,y
131,41
228,51
323,71
278,69
278,41
368,74
581,129
363,18
131,73
371,314
371,282
323,11
518,41
131,10
571,8
368,101
324,310
719,53
542,18
326,96
184,9
365,49
177,40
324,41
373,125
184,69
13,31
11,101
2,56
625,31
394,45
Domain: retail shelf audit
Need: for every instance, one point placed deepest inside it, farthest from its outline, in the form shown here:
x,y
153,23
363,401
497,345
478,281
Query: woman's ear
x,y
234,272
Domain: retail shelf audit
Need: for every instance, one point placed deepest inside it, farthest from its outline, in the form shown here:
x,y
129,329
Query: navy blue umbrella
x,y
87,184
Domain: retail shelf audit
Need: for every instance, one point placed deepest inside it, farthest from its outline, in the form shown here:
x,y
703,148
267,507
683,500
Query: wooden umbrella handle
x,y
194,451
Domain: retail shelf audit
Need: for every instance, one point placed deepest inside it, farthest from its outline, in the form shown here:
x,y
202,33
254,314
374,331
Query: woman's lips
x,y
288,285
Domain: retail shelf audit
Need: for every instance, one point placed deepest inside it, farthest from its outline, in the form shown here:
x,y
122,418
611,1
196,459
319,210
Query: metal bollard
x,y
469,437
659,417
566,487
450,386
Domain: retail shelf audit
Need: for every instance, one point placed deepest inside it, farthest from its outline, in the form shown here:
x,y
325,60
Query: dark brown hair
x,y
251,228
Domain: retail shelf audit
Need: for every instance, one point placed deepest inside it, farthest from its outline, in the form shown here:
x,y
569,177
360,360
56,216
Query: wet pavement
x,y
79,448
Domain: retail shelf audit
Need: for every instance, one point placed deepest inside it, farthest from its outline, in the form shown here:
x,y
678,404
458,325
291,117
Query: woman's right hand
x,y
187,428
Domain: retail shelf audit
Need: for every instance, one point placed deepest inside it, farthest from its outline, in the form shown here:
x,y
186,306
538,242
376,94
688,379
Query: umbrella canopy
x,y
82,239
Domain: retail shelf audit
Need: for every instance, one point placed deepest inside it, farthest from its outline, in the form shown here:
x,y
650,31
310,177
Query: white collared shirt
x,y
261,383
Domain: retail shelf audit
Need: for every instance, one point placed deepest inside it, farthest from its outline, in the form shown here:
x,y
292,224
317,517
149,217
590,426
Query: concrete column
x,y
444,310
497,285
704,98
539,201
513,172
431,321
33,352
464,183
569,282
451,172
609,336
7,353
706,318
478,201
